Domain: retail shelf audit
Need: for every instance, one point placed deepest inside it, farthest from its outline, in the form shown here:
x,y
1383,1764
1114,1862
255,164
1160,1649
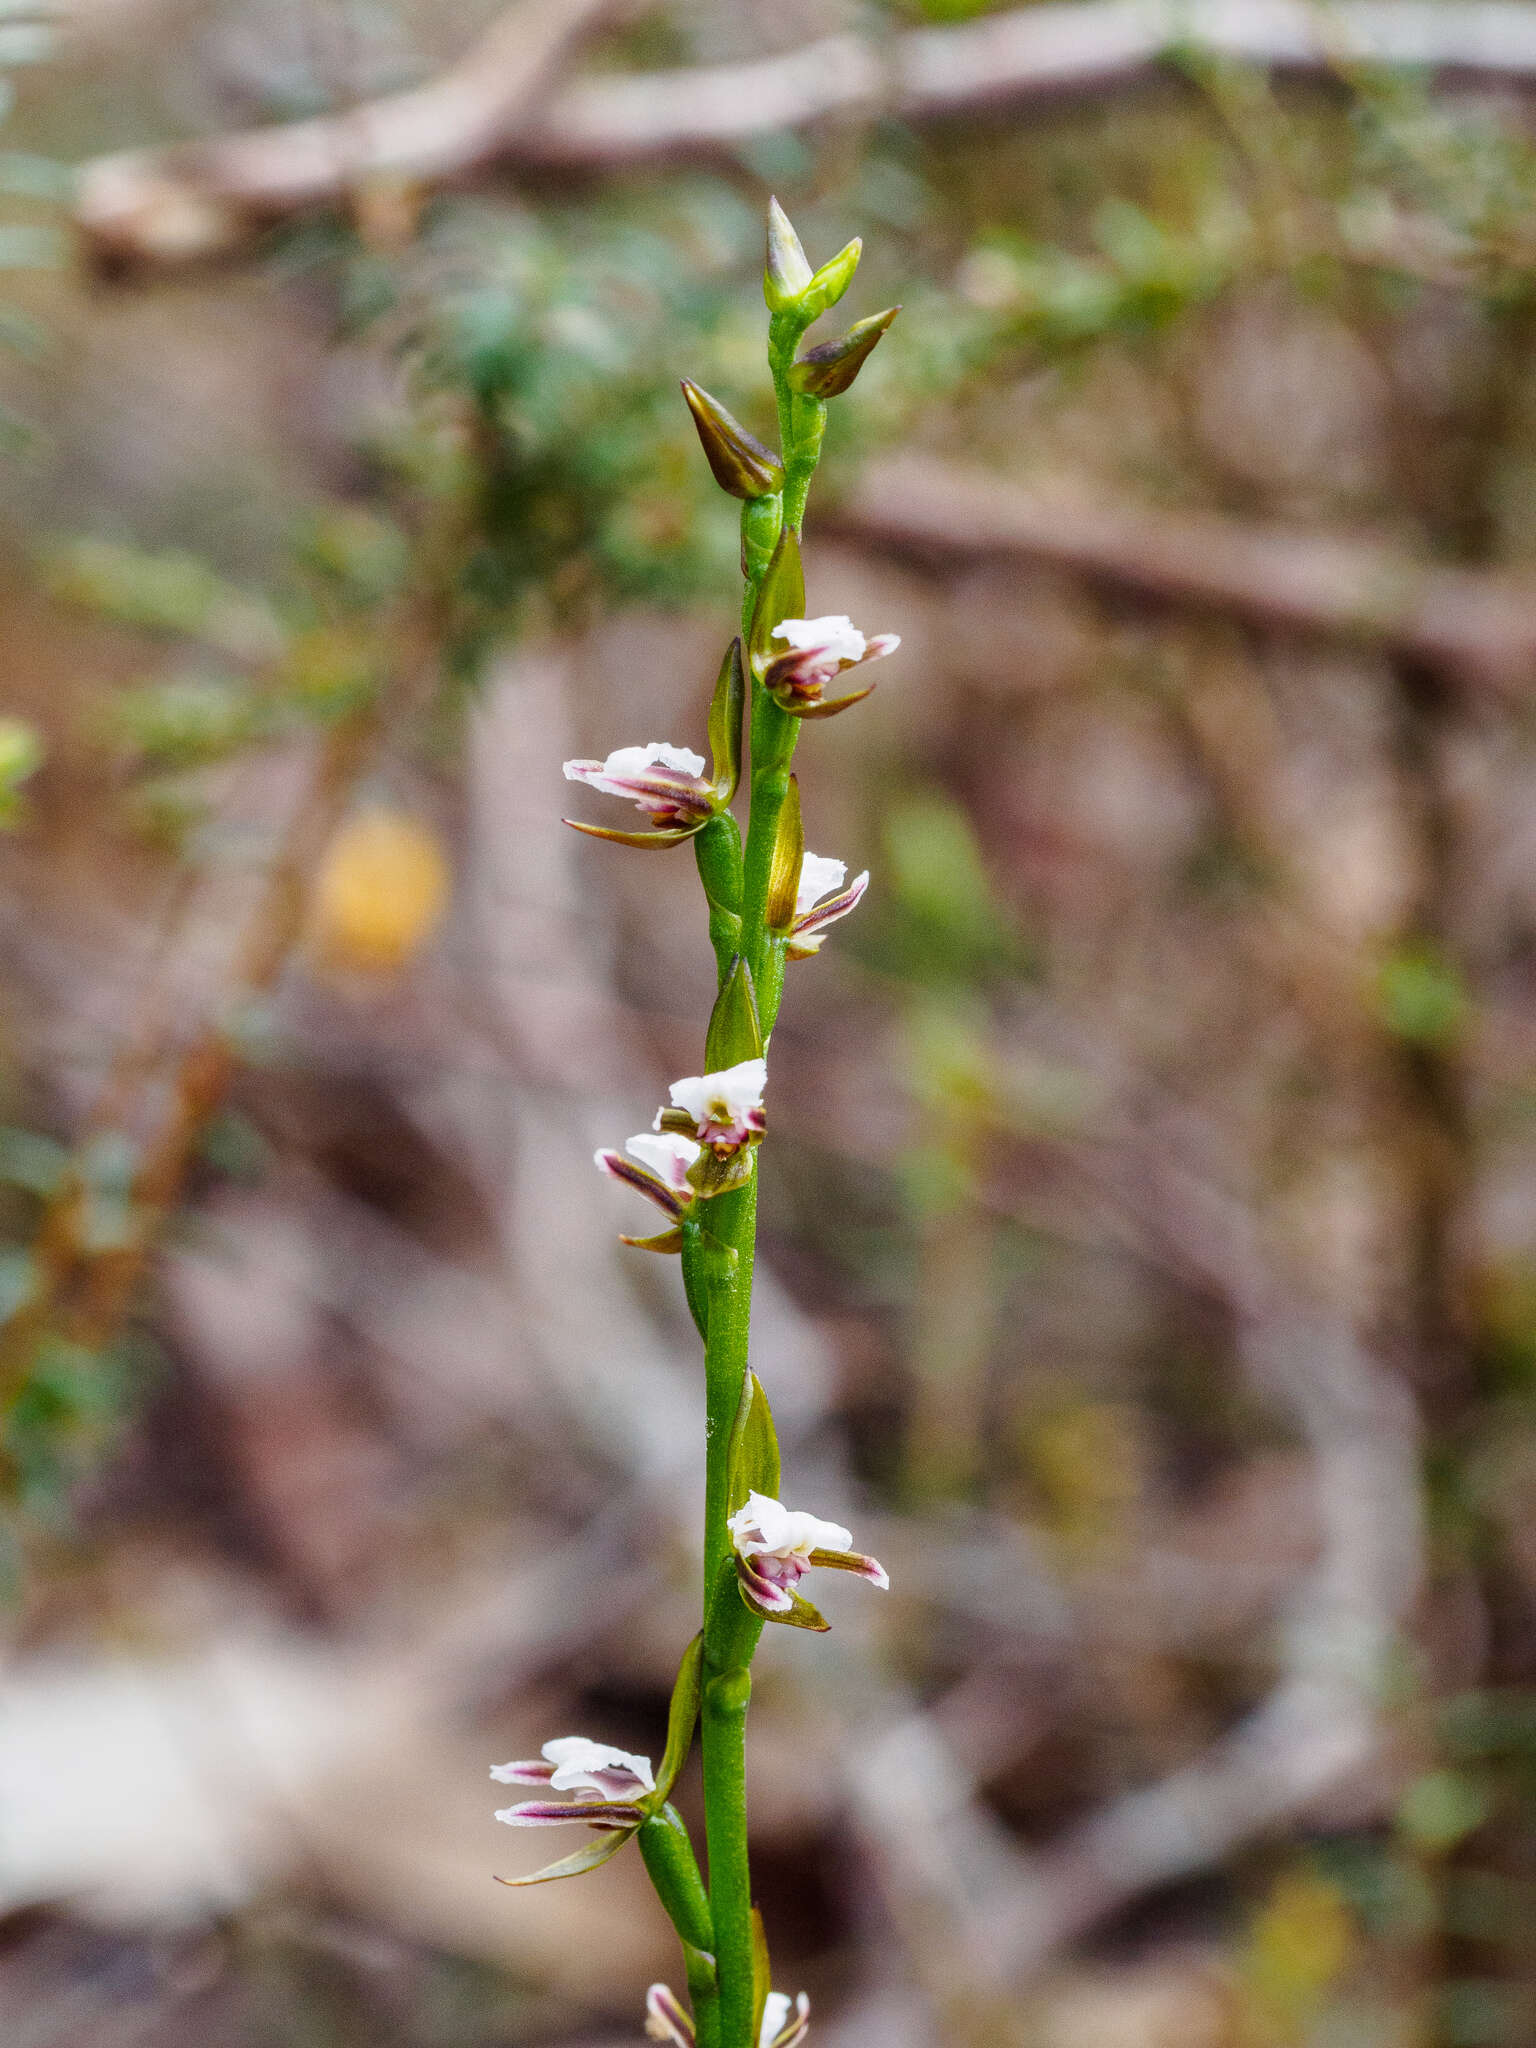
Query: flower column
x,y
768,902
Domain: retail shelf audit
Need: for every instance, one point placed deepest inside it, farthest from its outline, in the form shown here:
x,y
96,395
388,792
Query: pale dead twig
x,y
1478,624
194,200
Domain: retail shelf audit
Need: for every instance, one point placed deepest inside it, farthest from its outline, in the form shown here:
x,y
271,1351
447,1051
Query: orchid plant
x,y
769,902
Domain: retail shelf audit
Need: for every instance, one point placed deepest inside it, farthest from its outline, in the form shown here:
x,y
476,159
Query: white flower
x,y
818,878
819,650
665,781
812,913
835,638
776,1546
785,2020
726,1107
666,1153
596,1773
662,1174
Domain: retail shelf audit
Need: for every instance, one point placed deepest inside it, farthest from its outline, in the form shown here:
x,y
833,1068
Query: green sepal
x,y
674,1872
720,1260
725,714
828,284
673,835
782,596
752,1464
825,707
664,1241
828,370
681,1716
695,1286
607,1844
801,1613
678,1121
786,272
710,1175
741,464
762,1973
734,1032
788,859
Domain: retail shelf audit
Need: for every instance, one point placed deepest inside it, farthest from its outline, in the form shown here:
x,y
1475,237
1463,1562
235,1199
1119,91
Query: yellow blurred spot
x,y
380,894
1089,1463
1298,1945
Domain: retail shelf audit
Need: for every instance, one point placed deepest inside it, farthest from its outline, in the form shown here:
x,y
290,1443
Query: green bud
x,y
786,273
827,371
740,462
829,283
734,1033
673,1870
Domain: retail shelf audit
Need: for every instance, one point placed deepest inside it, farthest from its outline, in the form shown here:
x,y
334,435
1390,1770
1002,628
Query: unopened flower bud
x,y
828,370
828,284
786,273
740,462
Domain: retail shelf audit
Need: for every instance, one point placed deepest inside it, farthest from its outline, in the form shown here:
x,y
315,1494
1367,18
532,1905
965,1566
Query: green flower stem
x,y
723,1727
725,2015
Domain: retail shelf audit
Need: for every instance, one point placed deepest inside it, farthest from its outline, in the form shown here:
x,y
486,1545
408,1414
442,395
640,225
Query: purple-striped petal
x,y
550,1813
649,1184
533,1771
665,2019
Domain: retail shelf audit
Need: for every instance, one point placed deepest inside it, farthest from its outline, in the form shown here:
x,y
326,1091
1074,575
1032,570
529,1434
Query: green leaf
x,y
734,1032
753,1461
681,1716
788,859
31,1161
608,1843
782,596
725,713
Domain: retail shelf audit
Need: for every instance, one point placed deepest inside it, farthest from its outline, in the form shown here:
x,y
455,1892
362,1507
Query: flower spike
x,y
776,1546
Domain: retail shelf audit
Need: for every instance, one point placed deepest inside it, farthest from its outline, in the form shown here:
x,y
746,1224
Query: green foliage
x,y
1421,997
21,755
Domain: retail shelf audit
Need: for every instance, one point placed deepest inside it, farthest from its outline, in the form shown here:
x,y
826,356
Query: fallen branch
x,y
1478,623
194,200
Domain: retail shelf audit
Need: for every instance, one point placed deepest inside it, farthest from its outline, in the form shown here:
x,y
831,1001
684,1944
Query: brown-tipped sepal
x,y
827,370
739,461
780,596
788,860
725,722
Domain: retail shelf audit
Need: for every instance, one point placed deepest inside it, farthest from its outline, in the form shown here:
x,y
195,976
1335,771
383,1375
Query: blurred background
x,y
1149,1275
